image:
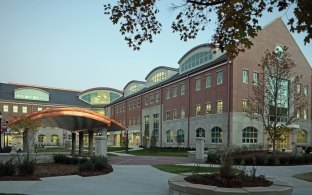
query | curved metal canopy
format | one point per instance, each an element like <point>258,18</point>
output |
<point>73,119</point>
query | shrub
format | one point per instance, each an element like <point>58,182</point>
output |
<point>249,161</point>
<point>237,160</point>
<point>99,162</point>
<point>271,160</point>
<point>308,149</point>
<point>213,157</point>
<point>59,158</point>
<point>7,168</point>
<point>299,160</point>
<point>260,160</point>
<point>292,160</point>
<point>283,160</point>
<point>6,149</point>
<point>87,166</point>
<point>26,166</point>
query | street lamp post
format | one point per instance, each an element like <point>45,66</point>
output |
<point>0,129</point>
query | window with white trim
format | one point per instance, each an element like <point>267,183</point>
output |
<point>245,76</point>
<point>208,81</point>
<point>216,135</point>
<point>250,135</point>
<point>219,77</point>
<point>197,84</point>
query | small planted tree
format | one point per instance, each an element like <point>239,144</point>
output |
<point>277,98</point>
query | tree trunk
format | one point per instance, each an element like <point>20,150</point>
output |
<point>274,145</point>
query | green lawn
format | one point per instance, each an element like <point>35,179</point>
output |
<point>146,152</point>
<point>304,176</point>
<point>177,169</point>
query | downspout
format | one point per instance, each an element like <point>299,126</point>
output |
<point>229,103</point>
<point>188,113</point>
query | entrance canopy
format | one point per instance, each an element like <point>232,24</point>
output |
<point>73,119</point>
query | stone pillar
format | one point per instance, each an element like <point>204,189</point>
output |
<point>200,149</point>
<point>90,148</point>
<point>28,141</point>
<point>73,152</point>
<point>101,143</point>
<point>80,143</point>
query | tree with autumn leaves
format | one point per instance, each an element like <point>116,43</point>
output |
<point>237,21</point>
<point>278,99</point>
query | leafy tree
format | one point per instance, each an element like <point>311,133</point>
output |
<point>277,100</point>
<point>237,20</point>
<point>125,141</point>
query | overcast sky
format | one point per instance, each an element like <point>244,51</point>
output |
<point>71,44</point>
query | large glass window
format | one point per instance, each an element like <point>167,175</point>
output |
<point>156,126</point>
<point>55,139</point>
<point>24,109</point>
<point>244,105</point>
<point>42,138</point>
<point>197,110</point>
<point>216,135</point>
<point>245,76</point>
<point>182,113</point>
<point>168,115</point>
<point>219,77</point>
<point>219,106</point>
<point>170,136</point>
<point>302,136</point>
<point>197,84</point>
<point>15,108</point>
<point>208,108</point>
<point>100,97</point>
<point>180,136</point>
<point>156,78</point>
<point>200,132</point>
<point>5,108</point>
<point>174,114</point>
<point>146,125</point>
<point>196,60</point>
<point>208,81</point>
<point>31,94</point>
<point>250,135</point>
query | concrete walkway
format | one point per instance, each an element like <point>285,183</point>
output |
<point>135,180</point>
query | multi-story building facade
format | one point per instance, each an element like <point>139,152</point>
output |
<point>205,97</point>
<point>19,99</point>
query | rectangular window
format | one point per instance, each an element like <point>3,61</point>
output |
<point>130,122</point>
<point>298,114</point>
<point>151,99</point>
<point>208,81</point>
<point>245,76</point>
<point>298,88</point>
<point>168,115</point>
<point>24,109</point>
<point>244,105</point>
<point>146,125</point>
<point>5,108</point>
<point>219,77</point>
<point>255,78</point>
<point>156,126</point>
<point>175,91</point>
<point>305,114</point>
<point>133,121</point>
<point>197,110</point>
<point>219,106</point>
<point>305,90</point>
<point>197,84</point>
<point>182,89</point>
<point>174,114</point>
<point>167,93</point>
<point>182,113</point>
<point>156,97</point>
<point>15,108</point>
<point>146,100</point>
<point>208,108</point>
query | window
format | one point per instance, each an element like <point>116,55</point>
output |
<point>146,100</point>
<point>208,108</point>
<point>15,109</point>
<point>5,108</point>
<point>180,136</point>
<point>151,99</point>
<point>302,136</point>
<point>245,76</point>
<point>31,94</point>
<point>167,93</point>
<point>219,107</point>
<point>298,88</point>
<point>24,109</point>
<point>168,115</point>
<point>156,97</point>
<point>133,121</point>
<point>250,135</point>
<point>175,91</point>
<point>200,132</point>
<point>146,125</point>
<point>197,110</point>
<point>244,105</point>
<point>42,138</point>
<point>305,114</point>
<point>208,81</point>
<point>170,137</point>
<point>130,122</point>
<point>305,90</point>
<point>219,77</point>
<point>156,126</point>
<point>174,114</point>
<point>55,139</point>
<point>182,89</point>
<point>197,84</point>
<point>255,78</point>
<point>216,135</point>
<point>182,113</point>
<point>298,114</point>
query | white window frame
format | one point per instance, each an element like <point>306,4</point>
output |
<point>197,84</point>
<point>245,76</point>
<point>208,81</point>
<point>220,75</point>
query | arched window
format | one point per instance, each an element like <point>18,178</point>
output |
<point>180,136</point>
<point>200,132</point>
<point>302,136</point>
<point>42,138</point>
<point>216,135</point>
<point>169,136</point>
<point>250,135</point>
<point>54,138</point>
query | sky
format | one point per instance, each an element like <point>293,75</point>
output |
<point>71,44</point>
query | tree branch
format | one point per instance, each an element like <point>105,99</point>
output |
<point>206,3</point>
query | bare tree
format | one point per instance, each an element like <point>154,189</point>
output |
<point>277,98</point>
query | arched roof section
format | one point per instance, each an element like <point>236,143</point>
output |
<point>133,87</point>
<point>73,119</point>
<point>31,93</point>
<point>198,56</point>
<point>100,95</point>
<point>159,74</point>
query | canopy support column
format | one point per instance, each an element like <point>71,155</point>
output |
<point>101,143</point>
<point>80,143</point>
<point>73,152</point>
<point>90,148</point>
